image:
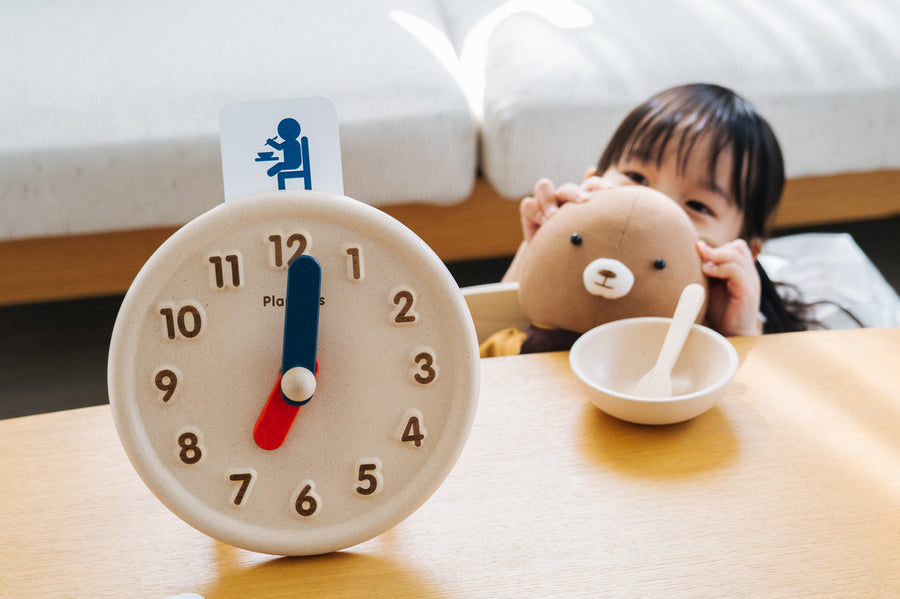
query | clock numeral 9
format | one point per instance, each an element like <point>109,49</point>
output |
<point>219,280</point>
<point>166,380</point>
<point>300,240</point>
<point>187,321</point>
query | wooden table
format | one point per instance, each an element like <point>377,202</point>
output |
<point>790,487</point>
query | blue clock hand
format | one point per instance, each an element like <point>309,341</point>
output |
<point>296,383</point>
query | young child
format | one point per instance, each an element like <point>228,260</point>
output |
<point>708,149</point>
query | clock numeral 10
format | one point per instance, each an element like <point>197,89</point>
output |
<point>186,321</point>
<point>219,278</point>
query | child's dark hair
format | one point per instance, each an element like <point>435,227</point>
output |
<point>687,113</point>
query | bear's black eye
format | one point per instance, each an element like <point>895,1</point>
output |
<point>659,264</point>
<point>575,238</point>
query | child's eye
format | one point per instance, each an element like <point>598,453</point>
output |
<point>699,207</point>
<point>637,177</point>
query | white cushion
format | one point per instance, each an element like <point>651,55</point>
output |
<point>109,111</point>
<point>557,78</point>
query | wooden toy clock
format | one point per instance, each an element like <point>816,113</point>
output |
<point>293,373</point>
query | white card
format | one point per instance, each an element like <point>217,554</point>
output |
<point>286,144</point>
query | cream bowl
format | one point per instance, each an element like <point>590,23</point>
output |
<point>610,359</point>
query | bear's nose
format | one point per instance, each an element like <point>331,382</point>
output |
<point>608,278</point>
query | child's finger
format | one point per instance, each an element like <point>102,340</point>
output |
<point>570,192</point>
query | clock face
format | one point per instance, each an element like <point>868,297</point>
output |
<point>197,350</point>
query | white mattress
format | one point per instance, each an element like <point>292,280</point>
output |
<point>555,79</point>
<point>109,111</point>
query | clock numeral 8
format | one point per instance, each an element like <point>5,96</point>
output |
<point>189,443</point>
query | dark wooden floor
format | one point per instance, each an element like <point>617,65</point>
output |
<point>53,356</point>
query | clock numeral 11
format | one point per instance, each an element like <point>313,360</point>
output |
<point>220,279</point>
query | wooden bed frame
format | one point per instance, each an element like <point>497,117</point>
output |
<point>486,225</point>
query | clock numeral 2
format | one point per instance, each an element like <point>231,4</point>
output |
<point>220,280</point>
<point>404,299</point>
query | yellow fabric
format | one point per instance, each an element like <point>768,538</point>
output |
<point>507,342</point>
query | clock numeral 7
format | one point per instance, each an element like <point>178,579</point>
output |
<point>246,479</point>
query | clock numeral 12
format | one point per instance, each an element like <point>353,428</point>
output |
<point>301,240</point>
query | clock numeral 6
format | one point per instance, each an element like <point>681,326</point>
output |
<point>370,476</point>
<point>185,321</point>
<point>308,501</point>
<point>299,242</point>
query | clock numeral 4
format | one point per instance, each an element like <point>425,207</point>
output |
<point>226,271</point>
<point>183,321</point>
<point>298,243</point>
<point>412,429</point>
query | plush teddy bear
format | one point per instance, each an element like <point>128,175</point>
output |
<point>625,252</point>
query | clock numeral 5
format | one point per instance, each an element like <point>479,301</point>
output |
<point>185,321</point>
<point>370,476</point>
<point>221,280</point>
<point>299,242</point>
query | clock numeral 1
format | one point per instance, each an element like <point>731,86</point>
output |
<point>186,321</point>
<point>412,429</point>
<point>245,478</point>
<point>370,477</point>
<point>356,269</point>
<point>307,502</point>
<point>299,242</point>
<point>230,263</point>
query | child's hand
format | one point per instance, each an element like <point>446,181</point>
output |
<point>544,202</point>
<point>734,288</point>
